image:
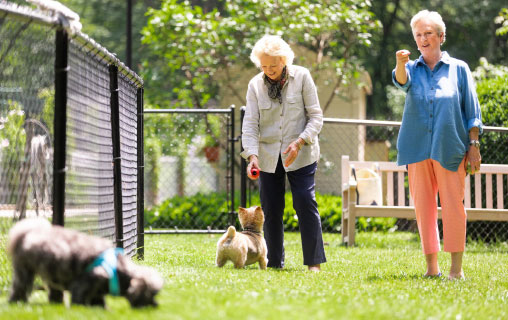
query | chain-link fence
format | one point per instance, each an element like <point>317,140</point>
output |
<point>189,156</point>
<point>69,114</point>
<point>27,58</point>
<point>179,181</point>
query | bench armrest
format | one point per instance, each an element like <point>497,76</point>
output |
<point>350,185</point>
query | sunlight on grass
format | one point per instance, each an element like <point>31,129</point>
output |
<point>5,268</point>
<point>381,278</point>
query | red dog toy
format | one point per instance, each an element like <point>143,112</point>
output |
<point>254,172</point>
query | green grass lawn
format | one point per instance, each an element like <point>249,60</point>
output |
<point>379,279</point>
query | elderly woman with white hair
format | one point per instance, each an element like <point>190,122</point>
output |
<point>438,137</point>
<point>280,137</point>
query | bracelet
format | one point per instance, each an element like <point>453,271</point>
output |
<point>475,143</point>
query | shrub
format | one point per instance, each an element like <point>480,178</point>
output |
<point>492,90</point>
<point>12,148</point>
<point>199,211</point>
<point>202,211</point>
<point>493,98</point>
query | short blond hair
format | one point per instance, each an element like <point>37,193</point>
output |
<point>273,46</point>
<point>433,16</point>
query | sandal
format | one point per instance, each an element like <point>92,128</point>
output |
<point>433,276</point>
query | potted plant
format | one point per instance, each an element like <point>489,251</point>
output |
<point>211,149</point>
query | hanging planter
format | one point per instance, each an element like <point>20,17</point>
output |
<point>211,153</point>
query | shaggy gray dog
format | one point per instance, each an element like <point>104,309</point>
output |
<point>63,259</point>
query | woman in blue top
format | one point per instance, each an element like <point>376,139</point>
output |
<point>438,137</point>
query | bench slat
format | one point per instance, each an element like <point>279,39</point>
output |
<point>494,168</point>
<point>486,215</point>
<point>488,193</point>
<point>389,188</point>
<point>473,214</point>
<point>467,192</point>
<point>401,194</point>
<point>478,190</point>
<point>500,193</point>
<point>385,212</point>
<point>390,166</point>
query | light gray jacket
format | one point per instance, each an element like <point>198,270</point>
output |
<point>269,126</point>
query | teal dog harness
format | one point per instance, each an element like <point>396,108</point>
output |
<point>108,260</point>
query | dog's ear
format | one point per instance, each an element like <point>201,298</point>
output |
<point>136,292</point>
<point>258,209</point>
<point>140,294</point>
<point>143,287</point>
<point>240,209</point>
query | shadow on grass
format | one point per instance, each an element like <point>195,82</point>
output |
<point>255,268</point>
<point>404,277</point>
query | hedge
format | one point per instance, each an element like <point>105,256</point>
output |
<point>203,211</point>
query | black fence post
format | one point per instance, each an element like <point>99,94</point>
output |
<point>60,125</point>
<point>117,159</point>
<point>141,180</point>
<point>243,166</point>
<point>129,35</point>
<point>232,165</point>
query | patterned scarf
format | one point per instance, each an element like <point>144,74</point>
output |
<point>275,86</point>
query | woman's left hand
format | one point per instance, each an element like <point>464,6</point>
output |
<point>292,151</point>
<point>474,158</point>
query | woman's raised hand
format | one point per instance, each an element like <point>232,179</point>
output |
<point>402,56</point>
<point>400,68</point>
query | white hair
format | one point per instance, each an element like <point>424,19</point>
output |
<point>434,17</point>
<point>273,46</point>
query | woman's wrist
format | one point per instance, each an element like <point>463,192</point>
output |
<point>300,143</point>
<point>474,143</point>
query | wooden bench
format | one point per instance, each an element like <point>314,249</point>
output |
<point>401,208</point>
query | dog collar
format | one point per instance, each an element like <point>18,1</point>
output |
<point>108,260</point>
<point>251,230</point>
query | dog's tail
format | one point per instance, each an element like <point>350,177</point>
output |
<point>231,232</point>
<point>20,229</point>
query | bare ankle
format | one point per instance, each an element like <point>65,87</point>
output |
<point>314,267</point>
<point>456,275</point>
<point>432,271</point>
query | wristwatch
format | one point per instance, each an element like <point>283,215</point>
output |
<point>475,143</point>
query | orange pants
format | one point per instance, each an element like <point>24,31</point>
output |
<point>426,178</point>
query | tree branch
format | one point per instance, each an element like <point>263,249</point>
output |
<point>232,88</point>
<point>339,80</point>
<point>323,40</point>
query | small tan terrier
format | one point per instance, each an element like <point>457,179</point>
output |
<point>246,247</point>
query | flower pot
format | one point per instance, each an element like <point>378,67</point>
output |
<point>211,153</point>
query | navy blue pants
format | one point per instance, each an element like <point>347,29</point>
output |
<point>272,189</point>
